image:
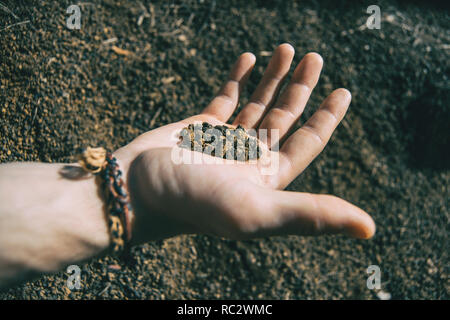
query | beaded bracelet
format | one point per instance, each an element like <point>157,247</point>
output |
<point>120,214</point>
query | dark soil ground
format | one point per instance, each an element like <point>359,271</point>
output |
<point>65,89</point>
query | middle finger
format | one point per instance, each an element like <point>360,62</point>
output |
<point>267,90</point>
<point>290,105</point>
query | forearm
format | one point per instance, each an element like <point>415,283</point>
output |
<point>46,220</point>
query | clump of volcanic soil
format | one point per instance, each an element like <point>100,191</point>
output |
<point>220,141</point>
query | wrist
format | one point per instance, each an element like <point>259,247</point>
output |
<point>125,159</point>
<point>150,223</point>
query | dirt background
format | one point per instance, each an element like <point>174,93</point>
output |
<point>64,89</point>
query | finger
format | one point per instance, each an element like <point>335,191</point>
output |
<point>274,213</point>
<point>290,105</point>
<point>308,141</point>
<point>223,105</point>
<point>267,89</point>
<point>295,213</point>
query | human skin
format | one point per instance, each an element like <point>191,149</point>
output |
<point>48,222</point>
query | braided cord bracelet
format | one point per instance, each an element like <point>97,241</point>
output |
<point>120,214</point>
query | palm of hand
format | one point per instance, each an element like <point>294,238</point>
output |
<point>236,200</point>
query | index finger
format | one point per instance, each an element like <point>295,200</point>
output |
<point>223,105</point>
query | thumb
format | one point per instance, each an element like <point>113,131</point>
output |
<point>313,214</point>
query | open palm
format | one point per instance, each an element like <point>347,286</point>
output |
<point>236,200</point>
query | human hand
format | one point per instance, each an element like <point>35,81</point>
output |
<point>235,200</point>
